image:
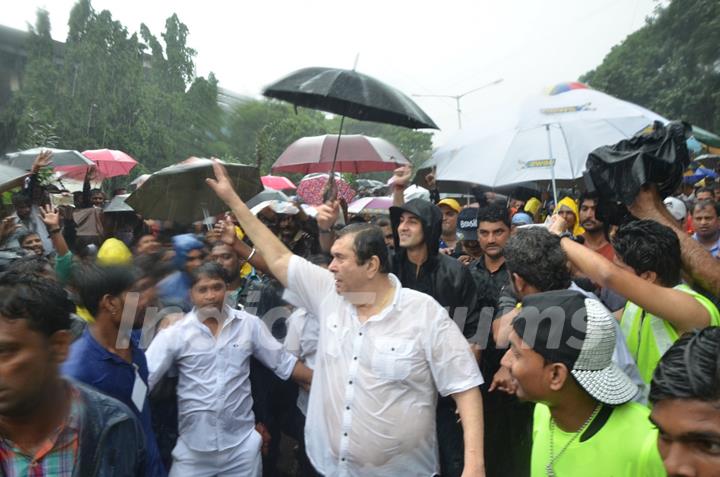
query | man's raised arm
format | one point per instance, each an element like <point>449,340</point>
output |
<point>276,254</point>
<point>697,262</point>
<point>681,309</point>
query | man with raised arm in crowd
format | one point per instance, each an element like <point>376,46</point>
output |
<point>384,353</point>
<point>660,307</point>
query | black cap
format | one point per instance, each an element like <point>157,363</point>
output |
<point>467,224</point>
<point>554,325</point>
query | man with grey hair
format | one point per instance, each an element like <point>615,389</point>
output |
<point>384,353</point>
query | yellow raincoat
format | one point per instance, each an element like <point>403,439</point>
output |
<point>572,205</point>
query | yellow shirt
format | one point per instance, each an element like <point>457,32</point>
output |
<point>625,446</point>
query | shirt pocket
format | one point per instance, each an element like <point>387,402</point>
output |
<point>236,354</point>
<point>392,358</point>
<point>334,336</point>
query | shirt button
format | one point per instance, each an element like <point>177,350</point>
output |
<point>347,407</point>
<point>343,459</point>
<point>360,333</point>
<point>355,358</point>
<point>350,382</point>
<point>345,434</point>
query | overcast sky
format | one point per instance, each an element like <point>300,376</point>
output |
<point>420,47</point>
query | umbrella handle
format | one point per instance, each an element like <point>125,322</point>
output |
<point>330,191</point>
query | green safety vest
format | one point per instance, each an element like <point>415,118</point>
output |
<point>625,446</point>
<point>649,337</point>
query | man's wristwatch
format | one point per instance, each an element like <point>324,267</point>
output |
<point>567,235</point>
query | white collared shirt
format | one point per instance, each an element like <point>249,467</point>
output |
<point>301,340</point>
<point>375,384</point>
<point>214,400</point>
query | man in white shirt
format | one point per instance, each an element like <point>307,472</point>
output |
<point>211,348</point>
<point>384,353</point>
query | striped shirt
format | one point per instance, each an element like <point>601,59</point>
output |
<point>57,454</point>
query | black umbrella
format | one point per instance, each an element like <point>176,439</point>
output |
<point>180,193</point>
<point>267,194</point>
<point>352,94</point>
<point>349,93</point>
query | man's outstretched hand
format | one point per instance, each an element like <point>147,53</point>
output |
<point>42,160</point>
<point>402,176</point>
<point>648,204</point>
<point>221,185</point>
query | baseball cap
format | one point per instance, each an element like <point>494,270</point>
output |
<point>565,327</point>
<point>452,203</point>
<point>467,224</point>
<point>676,207</point>
<point>521,218</point>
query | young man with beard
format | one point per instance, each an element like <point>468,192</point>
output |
<point>560,357</point>
<point>106,356</point>
<point>685,393</point>
<point>225,256</point>
<point>211,347</point>
<point>595,235</point>
<point>707,226</point>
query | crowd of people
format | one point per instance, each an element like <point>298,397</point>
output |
<point>455,337</point>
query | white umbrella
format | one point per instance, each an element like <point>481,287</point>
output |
<point>549,139</point>
<point>11,177</point>
<point>60,157</point>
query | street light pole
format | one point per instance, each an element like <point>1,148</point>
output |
<point>458,97</point>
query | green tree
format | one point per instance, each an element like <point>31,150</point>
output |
<point>671,65</point>
<point>259,131</point>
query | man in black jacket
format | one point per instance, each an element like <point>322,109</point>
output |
<point>418,264</point>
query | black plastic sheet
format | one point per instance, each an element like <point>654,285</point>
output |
<point>618,172</point>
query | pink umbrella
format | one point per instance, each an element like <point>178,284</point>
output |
<point>108,162</point>
<point>277,182</point>
<point>375,205</point>
<point>356,154</point>
<point>312,186</point>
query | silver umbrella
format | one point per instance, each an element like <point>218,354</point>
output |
<point>11,177</point>
<point>179,192</point>
<point>60,157</point>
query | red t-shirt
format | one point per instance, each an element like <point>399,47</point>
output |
<point>606,251</point>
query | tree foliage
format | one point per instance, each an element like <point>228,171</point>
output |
<point>671,65</point>
<point>138,92</point>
